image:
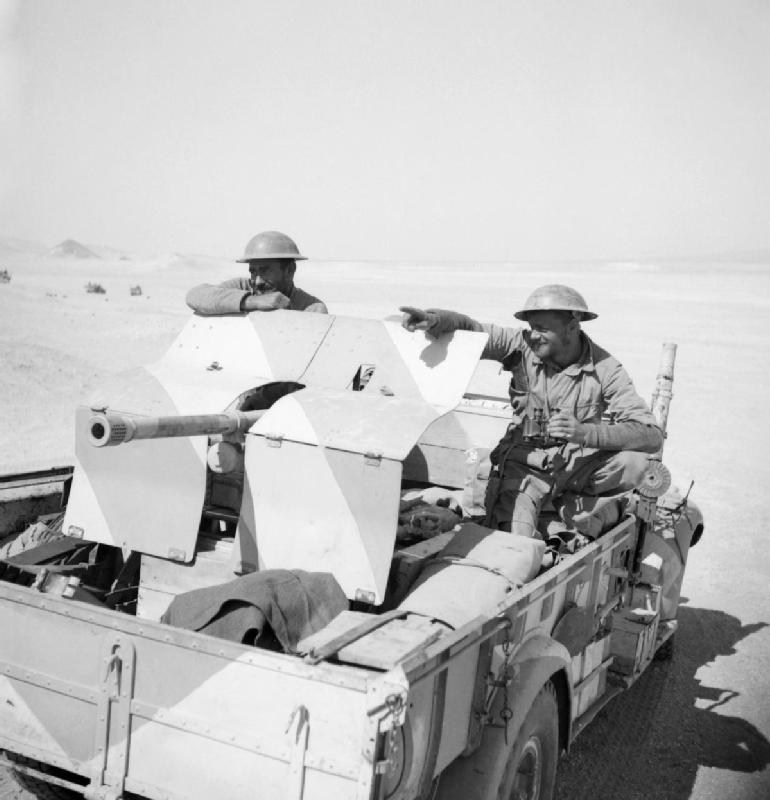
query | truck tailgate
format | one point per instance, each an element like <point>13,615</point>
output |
<point>165,713</point>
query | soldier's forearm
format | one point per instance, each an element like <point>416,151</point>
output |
<point>269,301</point>
<point>210,300</point>
<point>631,435</point>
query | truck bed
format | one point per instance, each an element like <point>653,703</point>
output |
<point>174,713</point>
<point>128,704</point>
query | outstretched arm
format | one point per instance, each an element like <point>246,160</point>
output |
<point>437,321</point>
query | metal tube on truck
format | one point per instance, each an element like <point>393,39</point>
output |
<point>107,429</point>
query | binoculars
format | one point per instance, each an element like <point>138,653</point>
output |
<point>535,429</point>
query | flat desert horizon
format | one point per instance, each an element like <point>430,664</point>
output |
<point>697,727</point>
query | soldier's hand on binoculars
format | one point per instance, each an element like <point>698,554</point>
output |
<point>564,425</point>
<point>416,319</point>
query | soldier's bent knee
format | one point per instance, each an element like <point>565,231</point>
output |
<point>634,465</point>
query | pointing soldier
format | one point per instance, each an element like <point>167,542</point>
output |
<point>272,258</point>
<point>563,387</point>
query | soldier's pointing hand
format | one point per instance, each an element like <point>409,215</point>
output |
<point>417,319</point>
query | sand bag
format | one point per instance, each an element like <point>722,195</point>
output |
<point>473,573</point>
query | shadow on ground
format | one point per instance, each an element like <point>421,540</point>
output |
<point>650,741</point>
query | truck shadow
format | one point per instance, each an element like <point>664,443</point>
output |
<point>650,741</point>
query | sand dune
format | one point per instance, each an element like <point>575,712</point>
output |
<point>69,248</point>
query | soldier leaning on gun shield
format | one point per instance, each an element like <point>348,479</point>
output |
<point>272,258</point>
<point>560,445</point>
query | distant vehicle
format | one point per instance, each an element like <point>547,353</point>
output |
<point>136,291</point>
<point>448,674</point>
<point>5,276</point>
<point>95,288</point>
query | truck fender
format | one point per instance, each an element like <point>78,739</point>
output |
<point>536,661</point>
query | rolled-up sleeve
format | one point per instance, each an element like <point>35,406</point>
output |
<point>634,426</point>
<point>223,298</point>
<point>502,341</point>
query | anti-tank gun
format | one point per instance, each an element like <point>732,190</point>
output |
<point>319,453</point>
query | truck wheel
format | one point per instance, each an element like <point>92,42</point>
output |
<point>37,787</point>
<point>666,651</point>
<point>530,773</point>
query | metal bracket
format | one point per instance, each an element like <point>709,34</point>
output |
<point>396,710</point>
<point>176,554</point>
<point>617,572</point>
<point>299,721</point>
<point>479,714</point>
<point>113,720</point>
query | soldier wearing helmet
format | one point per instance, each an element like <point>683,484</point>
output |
<point>272,258</point>
<point>580,431</point>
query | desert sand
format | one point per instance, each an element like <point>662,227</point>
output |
<point>694,728</point>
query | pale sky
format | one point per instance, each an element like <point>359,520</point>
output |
<point>398,129</point>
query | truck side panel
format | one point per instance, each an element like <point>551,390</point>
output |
<point>530,647</point>
<point>104,696</point>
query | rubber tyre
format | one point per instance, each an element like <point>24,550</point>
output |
<point>39,788</point>
<point>666,651</point>
<point>696,535</point>
<point>530,773</point>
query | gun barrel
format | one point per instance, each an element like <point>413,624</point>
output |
<point>107,429</point>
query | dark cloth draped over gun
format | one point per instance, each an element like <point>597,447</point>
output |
<point>291,604</point>
<point>579,477</point>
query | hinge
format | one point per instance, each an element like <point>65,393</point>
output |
<point>365,596</point>
<point>274,439</point>
<point>373,459</point>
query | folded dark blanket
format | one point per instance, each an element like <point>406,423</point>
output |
<point>293,603</point>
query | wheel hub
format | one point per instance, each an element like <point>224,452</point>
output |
<point>528,777</point>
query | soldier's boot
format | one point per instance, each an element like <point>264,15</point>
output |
<point>589,515</point>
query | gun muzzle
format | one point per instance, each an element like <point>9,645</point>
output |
<point>106,429</point>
